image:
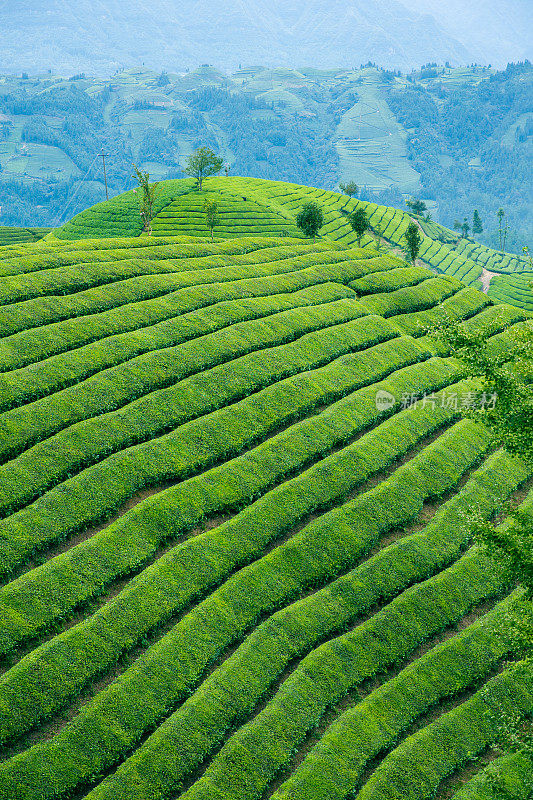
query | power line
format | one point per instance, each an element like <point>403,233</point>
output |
<point>103,155</point>
<point>80,184</point>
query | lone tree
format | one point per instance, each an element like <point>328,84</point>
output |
<point>463,227</point>
<point>477,225</point>
<point>211,215</point>
<point>310,219</point>
<point>203,163</point>
<point>378,235</point>
<point>416,206</point>
<point>413,241</point>
<point>148,194</point>
<point>350,188</point>
<point>503,230</point>
<point>359,222</point>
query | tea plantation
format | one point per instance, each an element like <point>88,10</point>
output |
<point>250,206</point>
<point>234,559</point>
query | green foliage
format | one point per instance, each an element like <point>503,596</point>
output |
<point>211,215</point>
<point>359,222</point>
<point>234,482</point>
<point>202,163</point>
<point>147,198</point>
<point>413,241</point>
<point>417,206</point>
<point>350,188</point>
<point>310,219</point>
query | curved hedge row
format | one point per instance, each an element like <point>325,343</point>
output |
<point>230,693</point>
<point>156,675</point>
<point>235,485</point>
<point>42,311</point>
<point>510,777</point>
<point>100,489</point>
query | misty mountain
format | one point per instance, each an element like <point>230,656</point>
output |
<point>495,31</point>
<point>99,36</point>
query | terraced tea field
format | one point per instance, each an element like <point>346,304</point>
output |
<point>516,289</point>
<point>234,560</point>
<point>250,206</point>
<point>21,235</point>
<point>371,143</point>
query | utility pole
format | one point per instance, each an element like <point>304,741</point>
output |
<point>105,175</point>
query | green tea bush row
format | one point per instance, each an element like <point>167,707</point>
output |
<point>514,289</point>
<point>10,235</point>
<point>156,412</point>
<point>25,347</point>
<point>398,499</point>
<point>416,298</point>
<point>228,695</point>
<point>259,749</point>
<point>110,250</point>
<point>416,768</point>
<point>509,777</point>
<point>131,539</point>
<point>43,311</point>
<point>30,617</point>
<point>390,280</point>
<point>300,461</point>
<point>120,215</point>
<point>154,369</point>
<point>65,280</point>
<point>62,370</point>
<point>463,304</point>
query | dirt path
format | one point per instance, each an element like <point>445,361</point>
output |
<point>486,277</point>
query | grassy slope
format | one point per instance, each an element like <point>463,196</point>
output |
<point>247,576</point>
<point>254,206</point>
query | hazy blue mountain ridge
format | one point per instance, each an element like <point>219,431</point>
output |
<point>99,36</point>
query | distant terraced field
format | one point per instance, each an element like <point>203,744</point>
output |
<point>10,236</point>
<point>234,557</point>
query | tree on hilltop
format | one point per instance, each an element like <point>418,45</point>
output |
<point>417,206</point>
<point>148,194</point>
<point>413,241</point>
<point>350,188</point>
<point>360,223</point>
<point>310,219</point>
<point>203,163</point>
<point>211,215</point>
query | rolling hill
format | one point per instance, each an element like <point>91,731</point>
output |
<point>394,135</point>
<point>259,207</point>
<point>234,563</point>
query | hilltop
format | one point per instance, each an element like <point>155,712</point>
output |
<point>250,206</point>
<point>233,483</point>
